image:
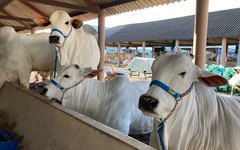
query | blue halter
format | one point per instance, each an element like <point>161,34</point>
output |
<point>166,88</point>
<point>57,85</point>
<point>177,96</point>
<point>59,31</point>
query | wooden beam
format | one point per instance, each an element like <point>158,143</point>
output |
<point>101,42</point>
<point>115,3</point>
<point>15,18</point>
<point>15,27</point>
<point>4,3</point>
<point>9,15</point>
<point>76,13</point>
<point>65,5</point>
<point>90,3</point>
<point>33,8</point>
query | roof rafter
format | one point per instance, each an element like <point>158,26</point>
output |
<point>15,18</point>
<point>90,3</point>
<point>9,15</point>
<point>66,5</point>
<point>15,27</point>
<point>115,3</point>
<point>76,13</point>
<point>4,3</point>
<point>33,8</point>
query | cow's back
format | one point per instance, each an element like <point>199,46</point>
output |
<point>30,51</point>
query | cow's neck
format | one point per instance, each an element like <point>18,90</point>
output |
<point>73,49</point>
<point>87,96</point>
<point>189,118</point>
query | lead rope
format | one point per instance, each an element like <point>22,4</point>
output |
<point>58,48</point>
<point>64,89</point>
<point>55,63</point>
<point>161,125</point>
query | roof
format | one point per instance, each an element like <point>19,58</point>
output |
<point>19,13</point>
<point>220,24</point>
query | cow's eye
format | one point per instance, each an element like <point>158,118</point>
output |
<point>67,22</point>
<point>66,76</point>
<point>182,74</point>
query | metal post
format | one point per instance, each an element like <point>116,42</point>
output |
<point>177,45</point>
<point>118,54</point>
<point>238,58</point>
<point>200,33</point>
<point>223,58</point>
<point>143,49</point>
<point>101,42</point>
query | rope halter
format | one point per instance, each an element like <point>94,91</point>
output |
<point>64,89</point>
<point>177,96</point>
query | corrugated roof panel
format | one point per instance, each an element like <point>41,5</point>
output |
<point>221,24</point>
<point>18,9</point>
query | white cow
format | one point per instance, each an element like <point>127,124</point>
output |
<point>75,45</point>
<point>113,102</point>
<point>201,119</point>
<point>22,53</point>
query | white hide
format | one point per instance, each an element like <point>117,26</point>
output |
<point>22,53</point>
<point>79,48</point>
<point>202,120</point>
<point>113,103</point>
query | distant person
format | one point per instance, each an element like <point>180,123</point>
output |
<point>219,53</point>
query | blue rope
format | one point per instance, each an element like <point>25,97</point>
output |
<point>166,88</point>
<point>59,31</point>
<point>160,134</point>
<point>57,85</point>
<point>55,63</point>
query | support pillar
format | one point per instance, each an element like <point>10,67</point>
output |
<point>177,45</point>
<point>118,54</point>
<point>143,48</point>
<point>101,42</point>
<point>33,30</point>
<point>238,58</point>
<point>200,33</point>
<point>223,58</point>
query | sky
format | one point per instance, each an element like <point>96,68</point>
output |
<point>177,9</point>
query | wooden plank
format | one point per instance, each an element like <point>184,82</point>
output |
<point>15,18</point>
<point>115,3</point>
<point>66,5</point>
<point>15,27</point>
<point>9,15</point>
<point>4,3</point>
<point>34,8</point>
<point>90,3</point>
<point>76,13</point>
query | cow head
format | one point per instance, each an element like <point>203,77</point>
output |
<point>61,24</point>
<point>68,78</point>
<point>177,71</point>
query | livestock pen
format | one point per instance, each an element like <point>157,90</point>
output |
<point>41,124</point>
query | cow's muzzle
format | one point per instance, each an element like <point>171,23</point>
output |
<point>43,91</point>
<point>147,103</point>
<point>54,39</point>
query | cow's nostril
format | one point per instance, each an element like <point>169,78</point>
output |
<point>44,90</point>
<point>76,66</point>
<point>147,103</point>
<point>54,39</point>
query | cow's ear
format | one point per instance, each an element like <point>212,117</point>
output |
<point>91,74</point>
<point>76,23</point>
<point>42,21</point>
<point>210,79</point>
